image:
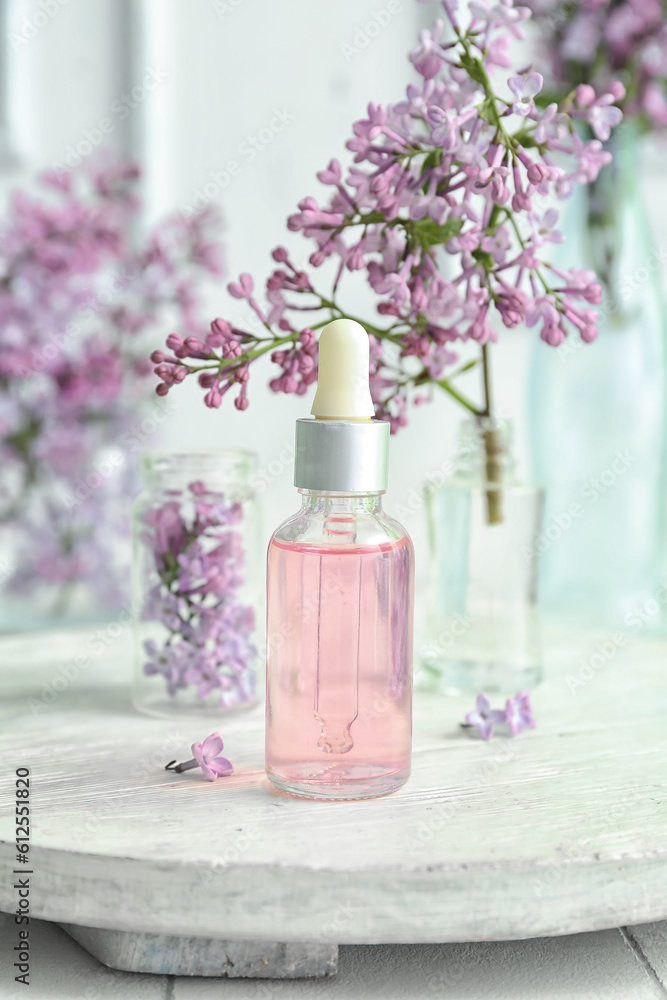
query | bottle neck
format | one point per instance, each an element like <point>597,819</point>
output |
<point>321,502</point>
<point>227,472</point>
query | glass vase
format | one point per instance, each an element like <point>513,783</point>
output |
<point>598,417</point>
<point>482,626</point>
<point>196,577</point>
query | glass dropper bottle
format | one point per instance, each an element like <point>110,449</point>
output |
<point>340,599</point>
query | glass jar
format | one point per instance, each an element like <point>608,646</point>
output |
<point>339,649</point>
<point>482,631</point>
<point>597,417</point>
<point>196,584</point>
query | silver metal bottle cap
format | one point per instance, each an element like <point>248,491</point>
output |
<point>342,456</point>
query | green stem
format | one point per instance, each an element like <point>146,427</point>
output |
<point>486,378</point>
<point>459,396</point>
<point>250,356</point>
<point>522,244</point>
<point>483,77</point>
<point>493,447</point>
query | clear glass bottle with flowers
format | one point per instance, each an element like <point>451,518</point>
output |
<point>197,584</point>
<point>598,421</point>
<point>483,631</point>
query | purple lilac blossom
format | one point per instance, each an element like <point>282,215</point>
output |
<point>608,45</point>
<point>519,713</point>
<point>197,559</point>
<point>486,717</point>
<point>78,292</point>
<point>439,213</point>
<point>206,755</point>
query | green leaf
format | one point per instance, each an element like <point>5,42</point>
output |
<point>484,258</point>
<point>433,159</point>
<point>428,233</point>
<point>494,219</point>
<point>371,217</point>
<point>473,68</point>
<point>464,368</point>
<point>547,97</point>
<point>525,139</point>
<point>21,440</point>
<point>489,111</point>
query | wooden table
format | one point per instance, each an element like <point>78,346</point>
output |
<point>560,830</point>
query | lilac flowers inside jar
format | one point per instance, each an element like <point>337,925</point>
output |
<point>196,593</point>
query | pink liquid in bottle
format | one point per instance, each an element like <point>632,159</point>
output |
<point>339,659</point>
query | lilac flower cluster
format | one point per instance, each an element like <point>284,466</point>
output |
<point>78,291</point>
<point>597,42</point>
<point>517,715</point>
<point>443,212</point>
<point>197,560</point>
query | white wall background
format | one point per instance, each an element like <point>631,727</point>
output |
<point>228,65</point>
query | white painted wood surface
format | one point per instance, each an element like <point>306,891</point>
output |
<point>560,830</point>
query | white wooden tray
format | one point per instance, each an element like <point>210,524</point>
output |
<point>560,830</point>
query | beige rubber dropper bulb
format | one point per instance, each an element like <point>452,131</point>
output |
<point>343,392</point>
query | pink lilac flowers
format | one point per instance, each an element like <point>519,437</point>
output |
<point>206,756</point>
<point>80,289</point>
<point>517,715</point>
<point>197,561</point>
<point>443,212</point>
<point>485,717</point>
<point>608,45</point>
